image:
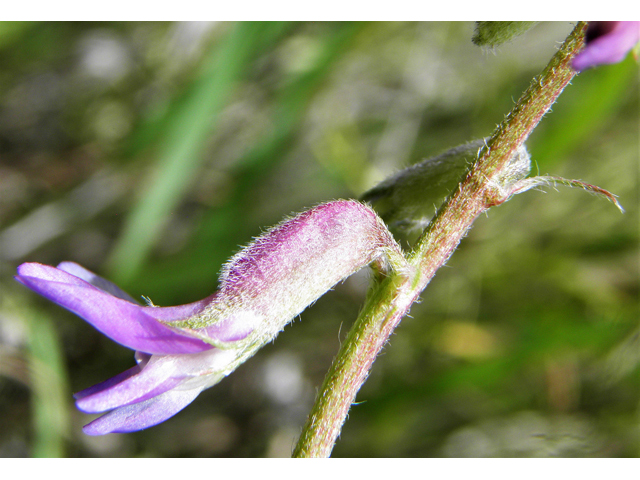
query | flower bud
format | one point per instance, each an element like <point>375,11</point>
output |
<point>280,273</point>
<point>493,34</point>
<point>409,199</point>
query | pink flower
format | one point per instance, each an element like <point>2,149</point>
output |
<point>607,42</point>
<point>183,350</point>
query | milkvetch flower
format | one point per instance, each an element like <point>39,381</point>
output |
<point>183,350</point>
<point>607,42</point>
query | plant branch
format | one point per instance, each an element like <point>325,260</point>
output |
<point>487,184</point>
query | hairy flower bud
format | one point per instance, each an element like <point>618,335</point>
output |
<point>273,279</point>
<point>493,34</point>
<point>409,199</point>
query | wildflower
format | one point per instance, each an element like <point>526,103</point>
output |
<point>183,350</point>
<point>607,42</point>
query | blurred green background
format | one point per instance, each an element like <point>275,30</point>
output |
<point>149,152</point>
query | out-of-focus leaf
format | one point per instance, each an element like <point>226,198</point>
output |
<point>492,34</point>
<point>221,232</point>
<point>11,31</point>
<point>180,155</point>
<point>582,109</point>
<point>50,391</point>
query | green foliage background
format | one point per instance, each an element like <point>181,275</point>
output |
<point>149,152</point>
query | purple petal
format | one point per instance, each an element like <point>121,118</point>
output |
<point>607,42</point>
<point>107,384</point>
<point>144,414</point>
<point>95,280</point>
<point>234,327</point>
<point>179,312</point>
<point>155,379</point>
<point>161,373</point>
<point>129,324</point>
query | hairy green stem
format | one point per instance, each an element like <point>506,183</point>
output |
<point>390,299</point>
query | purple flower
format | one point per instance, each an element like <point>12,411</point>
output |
<point>607,42</point>
<point>182,350</point>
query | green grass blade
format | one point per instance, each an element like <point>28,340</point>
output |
<point>180,155</point>
<point>50,391</point>
<point>221,233</point>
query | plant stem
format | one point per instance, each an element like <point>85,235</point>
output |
<point>390,299</point>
